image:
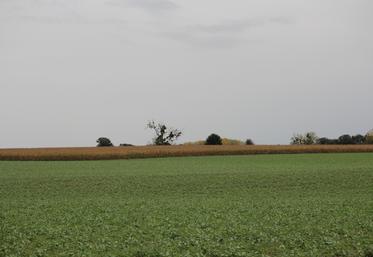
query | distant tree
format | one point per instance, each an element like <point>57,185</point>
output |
<point>103,142</point>
<point>323,141</point>
<point>345,140</point>
<point>358,139</point>
<point>369,139</point>
<point>249,142</point>
<point>213,139</point>
<point>163,134</point>
<point>327,141</point>
<point>297,139</point>
<point>308,138</point>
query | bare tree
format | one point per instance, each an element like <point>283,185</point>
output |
<point>163,134</point>
<point>308,138</point>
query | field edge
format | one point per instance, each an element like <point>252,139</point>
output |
<point>141,152</point>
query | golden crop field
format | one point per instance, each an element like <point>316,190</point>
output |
<point>111,153</point>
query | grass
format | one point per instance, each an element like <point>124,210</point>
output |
<point>315,205</point>
<point>135,152</point>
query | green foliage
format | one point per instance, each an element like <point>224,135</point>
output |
<point>213,139</point>
<point>163,134</point>
<point>103,142</point>
<point>317,205</point>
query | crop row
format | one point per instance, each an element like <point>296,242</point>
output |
<point>111,153</point>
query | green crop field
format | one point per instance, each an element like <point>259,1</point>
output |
<point>263,205</point>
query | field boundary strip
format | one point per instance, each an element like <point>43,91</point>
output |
<point>137,152</point>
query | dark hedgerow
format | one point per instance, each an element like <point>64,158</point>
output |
<point>125,144</point>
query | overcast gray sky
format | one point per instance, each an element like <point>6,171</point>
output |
<point>74,70</point>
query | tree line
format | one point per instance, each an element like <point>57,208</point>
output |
<point>310,138</point>
<point>165,135</point>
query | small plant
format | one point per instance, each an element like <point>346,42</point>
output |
<point>249,142</point>
<point>368,252</point>
<point>104,142</point>
<point>213,139</point>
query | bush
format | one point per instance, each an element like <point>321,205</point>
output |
<point>249,142</point>
<point>103,142</point>
<point>213,139</point>
<point>125,145</point>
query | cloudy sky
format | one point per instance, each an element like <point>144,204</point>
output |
<point>75,70</point>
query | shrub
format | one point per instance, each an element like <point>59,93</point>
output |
<point>249,142</point>
<point>103,142</point>
<point>213,139</point>
<point>125,145</point>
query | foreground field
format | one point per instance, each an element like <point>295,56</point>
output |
<point>113,153</point>
<point>262,205</point>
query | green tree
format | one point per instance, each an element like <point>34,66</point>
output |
<point>249,142</point>
<point>213,139</point>
<point>103,142</point>
<point>345,140</point>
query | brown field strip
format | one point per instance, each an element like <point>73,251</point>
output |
<point>112,153</point>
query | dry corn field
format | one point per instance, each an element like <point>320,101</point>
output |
<point>111,153</point>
